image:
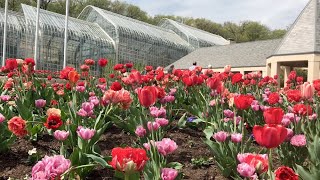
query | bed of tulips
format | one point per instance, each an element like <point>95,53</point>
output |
<point>254,129</point>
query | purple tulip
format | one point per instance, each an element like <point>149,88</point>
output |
<point>141,131</point>
<point>40,103</point>
<point>220,136</point>
<point>168,174</point>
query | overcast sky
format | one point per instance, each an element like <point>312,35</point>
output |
<point>273,13</point>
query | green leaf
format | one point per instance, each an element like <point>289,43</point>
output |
<point>182,121</point>
<point>175,165</point>
<point>208,132</point>
<point>99,160</point>
<point>304,174</point>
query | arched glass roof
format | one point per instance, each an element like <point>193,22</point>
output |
<point>139,28</point>
<point>138,41</point>
<point>85,40</point>
<point>16,34</point>
<point>76,26</point>
<point>196,37</point>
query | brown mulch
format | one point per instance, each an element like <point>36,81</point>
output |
<point>14,164</point>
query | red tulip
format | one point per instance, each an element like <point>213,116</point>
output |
<point>243,102</point>
<point>236,78</point>
<point>294,95</point>
<point>147,95</point>
<point>302,109</point>
<point>269,135</point>
<point>116,86</point>
<point>273,98</point>
<point>11,64</point>
<point>128,160</point>
<point>53,122</point>
<point>89,62</point>
<point>273,115</point>
<point>102,62</point>
<point>73,77</point>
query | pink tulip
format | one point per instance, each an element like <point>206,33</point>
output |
<point>40,103</point>
<point>5,98</point>
<point>307,90</point>
<point>153,126</point>
<point>2,118</point>
<point>80,88</point>
<point>289,134</point>
<point>94,100</point>
<point>298,140</point>
<point>162,121</point>
<point>227,68</point>
<point>220,136</point>
<point>61,135</point>
<point>172,91</point>
<point>166,146</point>
<point>168,174</point>
<point>85,133</point>
<point>236,138</point>
<point>50,167</point>
<point>158,113</point>
<point>141,131</point>
<point>87,106</point>
<point>245,170</point>
<point>228,113</point>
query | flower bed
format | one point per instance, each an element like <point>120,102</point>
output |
<point>131,124</point>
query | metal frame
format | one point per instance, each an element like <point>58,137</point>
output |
<point>196,37</point>
<point>137,41</point>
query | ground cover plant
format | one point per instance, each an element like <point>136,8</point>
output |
<point>132,124</point>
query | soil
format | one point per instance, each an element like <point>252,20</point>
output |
<point>14,163</point>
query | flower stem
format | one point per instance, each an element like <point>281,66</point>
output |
<point>270,164</point>
<point>126,177</point>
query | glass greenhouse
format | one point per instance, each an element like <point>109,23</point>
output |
<point>196,37</point>
<point>137,41</point>
<point>85,40</point>
<point>17,33</point>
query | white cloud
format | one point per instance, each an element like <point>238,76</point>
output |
<point>274,13</point>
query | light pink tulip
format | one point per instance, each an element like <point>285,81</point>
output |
<point>61,135</point>
<point>85,133</point>
<point>307,90</point>
<point>245,170</point>
<point>166,146</point>
<point>50,167</point>
<point>227,68</point>
<point>220,136</point>
<point>236,138</point>
<point>157,113</point>
<point>162,121</point>
<point>298,140</point>
<point>153,126</point>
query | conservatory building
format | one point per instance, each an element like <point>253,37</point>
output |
<point>195,37</point>
<point>85,39</point>
<point>137,41</point>
<point>96,34</point>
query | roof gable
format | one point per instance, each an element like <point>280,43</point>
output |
<point>303,36</point>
